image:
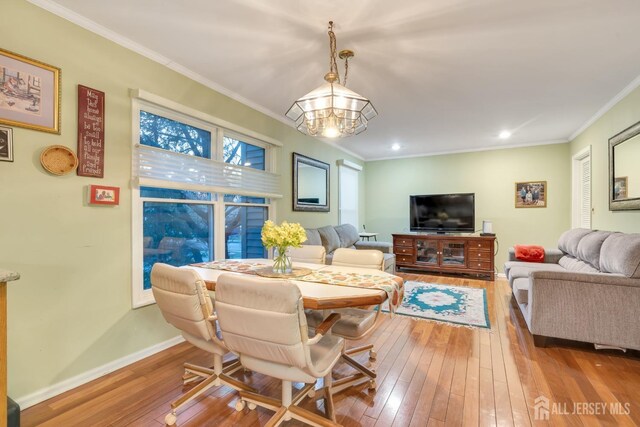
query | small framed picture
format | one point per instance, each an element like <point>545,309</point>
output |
<point>6,144</point>
<point>29,93</point>
<point>101,195</point>
<point>531,194</point>
<point>620,187</point>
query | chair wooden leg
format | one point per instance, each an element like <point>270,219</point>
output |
<point>194,392</point>
<point>277,418</point>
<point>358,366</point>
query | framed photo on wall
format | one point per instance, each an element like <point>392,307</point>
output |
<point>6,144</point>
<point>29,93</point>
<point>531,194</point>
<point>101,195</point>
<point>620,187</point>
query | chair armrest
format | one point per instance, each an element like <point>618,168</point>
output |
<point>597,278</point>
<point>384,247</point>
<point>327,323</point>
<point>551,256</point>
<point>324,327</point>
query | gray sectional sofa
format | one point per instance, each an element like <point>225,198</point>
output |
<point>586,290</point>
<point>346,236</point>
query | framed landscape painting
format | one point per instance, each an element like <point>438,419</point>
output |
<point>29,93</point>
<point>531,194</point>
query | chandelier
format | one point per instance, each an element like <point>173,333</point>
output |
<point>332,110</point>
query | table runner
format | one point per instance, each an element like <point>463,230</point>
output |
<point>392,285</point>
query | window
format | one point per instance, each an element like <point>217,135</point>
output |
<point>348,194</point>
<point>201,192</point>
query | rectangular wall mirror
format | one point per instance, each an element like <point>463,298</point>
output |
<point>310,184</point>
<point>624,172</point>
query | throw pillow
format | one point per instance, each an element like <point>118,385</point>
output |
<point>529,253</point>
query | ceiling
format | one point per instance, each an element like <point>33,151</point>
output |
<point>445,76</point>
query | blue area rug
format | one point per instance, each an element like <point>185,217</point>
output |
<point>444,303</point>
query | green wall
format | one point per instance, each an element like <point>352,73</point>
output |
<point>491,175</point>
<point>71,310</point>
<point>624,114</point>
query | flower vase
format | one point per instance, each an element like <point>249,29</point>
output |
<point>282,262</point>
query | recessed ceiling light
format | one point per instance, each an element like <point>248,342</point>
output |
<point>395,147</point>
<point>505,134</point>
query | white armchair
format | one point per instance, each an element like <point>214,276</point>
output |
<point>354,323</point>
<point>263,321</point>
<point>185,303</point>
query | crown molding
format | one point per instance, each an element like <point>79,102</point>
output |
<point>127,43</point>
<point>635,83</point>
<point>472,150</point>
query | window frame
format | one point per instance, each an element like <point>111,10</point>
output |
<point>142,101</point>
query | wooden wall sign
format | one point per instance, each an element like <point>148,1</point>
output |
<point>90,132</point>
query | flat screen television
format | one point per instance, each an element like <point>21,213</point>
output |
<point>443,213</point>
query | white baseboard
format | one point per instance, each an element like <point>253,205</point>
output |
<point>73,382</point>
<point>502,275</point>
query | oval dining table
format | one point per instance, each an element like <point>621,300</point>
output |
<point>316,296</point>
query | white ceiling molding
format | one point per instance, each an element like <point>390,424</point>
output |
<point>444,153</point>
<point>606,107</point>
<point>102,31</point>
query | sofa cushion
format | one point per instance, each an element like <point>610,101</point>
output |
<point>620,254</point>
<point>348,235</point>
<point>568,242</point>
<point>313,237</point>
<point>521,271</point>
<point>330,238</point>
<point>589,247</point>
<point>521,290</point>
<point>574,264</point>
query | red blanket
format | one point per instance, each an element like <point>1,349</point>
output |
<point>530,253</point>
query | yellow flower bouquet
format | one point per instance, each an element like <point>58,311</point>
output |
<point>282,237</point>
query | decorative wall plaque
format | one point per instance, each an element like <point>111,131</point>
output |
<point>90,132</point>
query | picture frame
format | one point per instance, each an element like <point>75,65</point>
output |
<point>6,144</point>
<point>310,184</point>
<point>29,93</point>
<point>620,185</point>
<point>531,194</point>
<point>103,195</point>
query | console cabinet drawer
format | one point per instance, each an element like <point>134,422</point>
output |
<point>402,250</point>
<point>479,245</point>
<point>399,241</point>
<point>479,255</point>
<point>479,265</point>
<point>404,259</point>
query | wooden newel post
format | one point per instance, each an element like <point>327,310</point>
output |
<point>5,277</point>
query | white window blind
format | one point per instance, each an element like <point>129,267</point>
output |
<point>581,193</point>
<point>154,167</point>
<point>585,190</point>
<point>348,192</point>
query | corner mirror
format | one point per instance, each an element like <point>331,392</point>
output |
<point>624,173</point>
<point>310,184</point>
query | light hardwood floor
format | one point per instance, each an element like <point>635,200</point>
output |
<point>429,374</point>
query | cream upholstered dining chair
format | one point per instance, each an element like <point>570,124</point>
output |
<point>263,321</point>
<point>185,303</point>
<point>314,254</point>
<point>354,323</point>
